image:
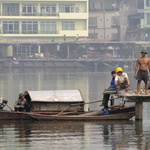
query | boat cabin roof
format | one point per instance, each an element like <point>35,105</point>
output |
<point>56,96</point>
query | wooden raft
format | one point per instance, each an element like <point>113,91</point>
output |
<point>131,96</point>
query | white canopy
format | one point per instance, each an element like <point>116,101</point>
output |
<point>56,96</point>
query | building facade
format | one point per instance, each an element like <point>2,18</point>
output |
<point>104,21</point>
<point>29,27</point>
<point>145,21</point>
<point>139,23</point>
<point>108,19</point>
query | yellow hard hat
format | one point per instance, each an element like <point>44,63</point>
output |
<point>119,69</point>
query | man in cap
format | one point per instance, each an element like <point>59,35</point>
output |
<point>121,80</point>
<point>21,103</point>
<point>141,71</point>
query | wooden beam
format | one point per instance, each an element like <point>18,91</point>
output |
<point>139,110</point>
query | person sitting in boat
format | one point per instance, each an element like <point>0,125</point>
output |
<point>121,79</point>
<point>27,97</point>
<point>112,87</point>
<point>21,103</point>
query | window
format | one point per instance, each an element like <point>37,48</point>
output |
<point>67,8</point>
<point>115,21</point>
<point>114,36</point>
<point>24,51</point>
<point>101,4</point>
<point>147,2</point>
<point>93,21</point>
<point>48,9</point>
<point>10,27</point>
<point>68,25</point>
<point>29,9</point>
<point>93,35</point>
<point>10,9</point>
<point>93,6</point>
<point>29,27</point>
<point>48,27</point>
<point>148,19</point>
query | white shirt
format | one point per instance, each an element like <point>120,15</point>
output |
<point>121,78</point>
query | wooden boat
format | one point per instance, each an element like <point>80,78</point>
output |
<point>115,116</point>
<point>46,102</point>
<point>125,113</point>
<point>12,115</point>
<point>64,105</point>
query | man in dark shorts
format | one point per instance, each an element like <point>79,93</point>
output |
<point>141,71</point>
<point>142,75</point>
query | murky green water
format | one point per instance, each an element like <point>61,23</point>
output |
<point>100,135</point>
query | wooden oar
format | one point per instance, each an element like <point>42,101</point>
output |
<point>65,113</point>
<point>71,105</point>
<point>63,110</point>
<point>86,103</point>
<point>9,107</point>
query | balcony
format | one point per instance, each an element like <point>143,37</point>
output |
<point>47,16</point>
<point>29,14</point>
<point>73,32</point>
<point>103,10</point>
<point>73,15</point>
<point>44,33</point>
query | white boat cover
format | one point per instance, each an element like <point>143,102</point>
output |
<point>56,96</point>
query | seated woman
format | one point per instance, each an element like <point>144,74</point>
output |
<point>21,103</point>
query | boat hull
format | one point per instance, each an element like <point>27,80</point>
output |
<point>117,114</point>
<point>12,115</point>
<point>120,116</point>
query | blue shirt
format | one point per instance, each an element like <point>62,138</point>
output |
<point>112,84</point>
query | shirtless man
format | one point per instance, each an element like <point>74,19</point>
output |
<point>141,71</point>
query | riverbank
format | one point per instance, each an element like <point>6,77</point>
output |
<point>67,63</point>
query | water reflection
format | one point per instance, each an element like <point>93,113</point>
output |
<point>73,135</point>
<point>27,135</point>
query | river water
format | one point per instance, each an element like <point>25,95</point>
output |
<point>99,135</point>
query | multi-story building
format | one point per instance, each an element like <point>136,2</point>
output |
<point>139,23</point>
<point>108,19</point>
<point>104,20</point>
<point>28,27</point>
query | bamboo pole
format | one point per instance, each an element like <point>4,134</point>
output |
<point>9,107</point>
<point>72,105</point>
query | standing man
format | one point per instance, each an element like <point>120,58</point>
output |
<point>64,37</point>
<point>76,40</point>
<point>141,71</point>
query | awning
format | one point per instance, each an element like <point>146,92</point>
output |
<point>56,96</point>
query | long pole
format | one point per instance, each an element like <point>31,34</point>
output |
<point>68,51</point>
<point>9,107</point>
<point>71,105</point>
<point>104,22</point>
